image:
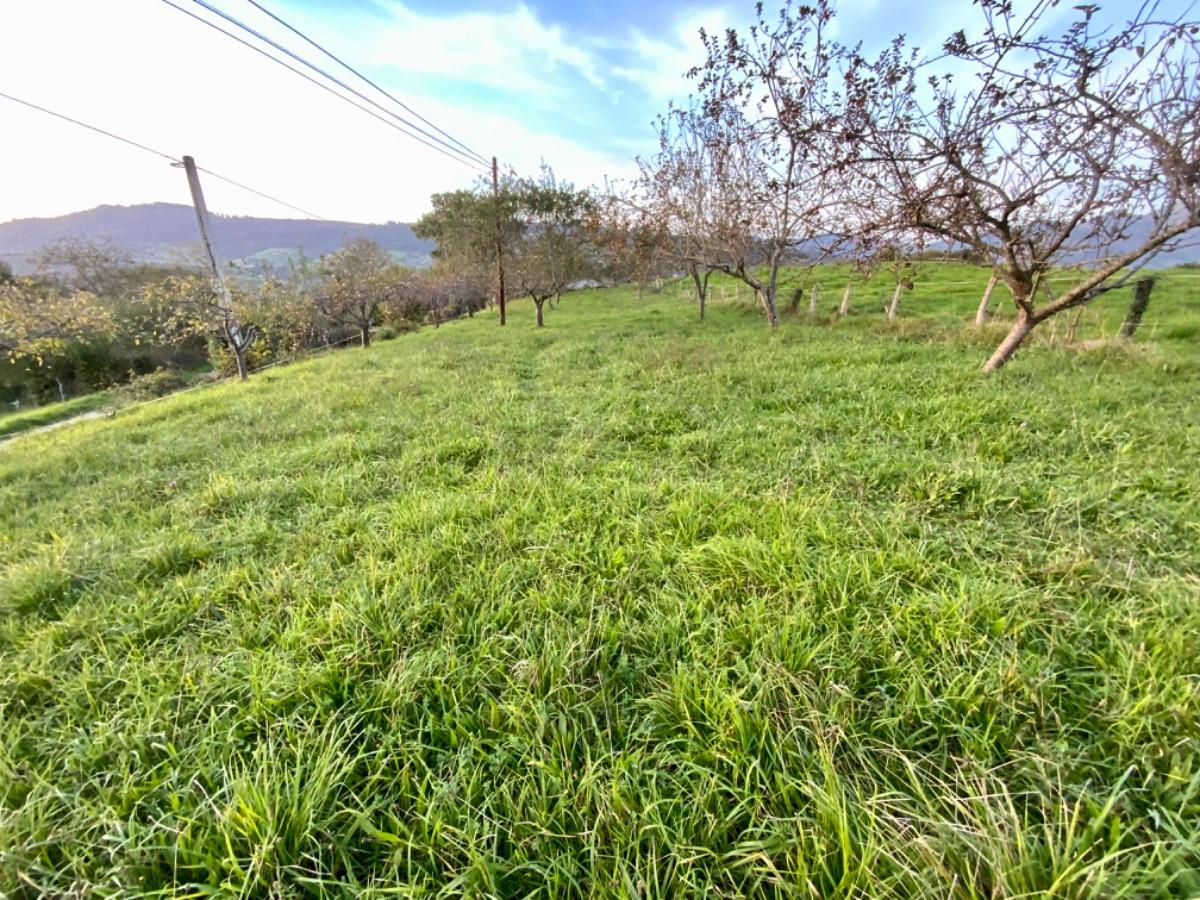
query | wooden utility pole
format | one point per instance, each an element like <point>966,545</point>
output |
<point>238,341</point>
<point>499,245</point>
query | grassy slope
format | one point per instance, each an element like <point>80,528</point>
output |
<point>628,606</point>
<point>41,416</point>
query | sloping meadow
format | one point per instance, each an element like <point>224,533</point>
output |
<point>632,605</point>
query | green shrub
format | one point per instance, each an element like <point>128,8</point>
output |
<point>158,383</point>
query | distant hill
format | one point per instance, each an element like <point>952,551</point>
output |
<point>163,232</point>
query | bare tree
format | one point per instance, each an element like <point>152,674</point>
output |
<point>767,121</point>
<point>631,240</point>
<point>99,267</point>
<point>674,199</point>
<point>1077,147</point>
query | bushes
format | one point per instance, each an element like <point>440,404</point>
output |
<point>154,384</point>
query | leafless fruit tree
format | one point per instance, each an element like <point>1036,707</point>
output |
<point>1037,149</point>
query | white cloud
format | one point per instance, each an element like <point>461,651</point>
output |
<point>143,70</point>
<point>665,61</point>
<point>512,49</point>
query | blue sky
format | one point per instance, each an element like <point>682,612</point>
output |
<point>576,84</point>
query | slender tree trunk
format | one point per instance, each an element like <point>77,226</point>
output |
<point>365,334</point>
<point>1141,299</point>
<point>769,295</point>
<point>844,309</point>
<point>62,395</point>
<point>541,321</point>
<point>1012,341</point>
<point>768,305</point>
<point>239,343</point>
<point>894,307</point>
<point>1074,326</point>
<point>701,288</point>
<point>239,354</point>
<point>982,312</point>
<point>812,300</point>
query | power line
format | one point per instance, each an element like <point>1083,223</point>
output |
<point>355,71</point>
<point>309,78</point>
<point>109,134</point>
<point>445,148</point>
<point>245,187</point>
<point>167,156</point>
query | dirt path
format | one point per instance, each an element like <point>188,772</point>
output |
<point>90,414</point>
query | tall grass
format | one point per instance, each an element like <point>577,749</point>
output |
<point>631,606</point>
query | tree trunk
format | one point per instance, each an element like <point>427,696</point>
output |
<point>768,305</point>
<point>982,312</point>
<point>365,333</point>
<point>62,395</point>
<point>540,319</point>
<point>812,300</point>
<point>1074,326</point>
<point>239,343</point>
<point>1013,340</point>
<point>239,354</point>
<point>1141,299</point>
<point>770,295</point>
<point>701,288</point>
<point>844,309</point>
<point>894,307</point>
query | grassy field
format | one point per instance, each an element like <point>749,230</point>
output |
<point>40,416</point>
<point>631,606</point>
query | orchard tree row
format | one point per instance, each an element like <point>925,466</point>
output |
<point>90,318</point>
<point>1030,145</point>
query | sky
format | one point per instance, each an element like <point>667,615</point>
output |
<point>573,83</point>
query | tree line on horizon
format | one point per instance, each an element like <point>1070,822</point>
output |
<point>90,317</point>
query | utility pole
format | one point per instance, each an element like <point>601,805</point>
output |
<point>499,246</point>
<point>238,341</point>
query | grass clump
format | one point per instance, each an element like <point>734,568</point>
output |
<point>629,606</point>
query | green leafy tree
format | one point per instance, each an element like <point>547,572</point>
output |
<point>552,251</point>
<point>355,284</point>
<point>38,320</point>
<point>183,307</point>
<point>472,229</point>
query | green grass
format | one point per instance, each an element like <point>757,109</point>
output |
<point>631,606</point>
<point>40,416</point>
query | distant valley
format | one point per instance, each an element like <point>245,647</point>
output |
<point>166,232</point>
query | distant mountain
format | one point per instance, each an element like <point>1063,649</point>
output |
<point>165,232</point>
